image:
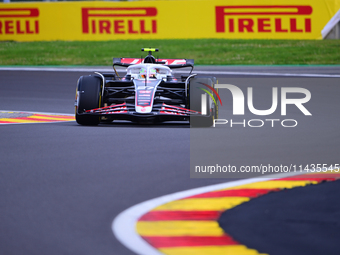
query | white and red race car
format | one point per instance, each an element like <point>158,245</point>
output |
<point>148,93</point>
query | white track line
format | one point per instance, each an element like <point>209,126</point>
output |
<point>124,225</point>
<point>67,69</point>
<point>56,69</point>
<point>271,74</point>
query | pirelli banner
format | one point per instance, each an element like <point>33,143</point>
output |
<point>243,19</point>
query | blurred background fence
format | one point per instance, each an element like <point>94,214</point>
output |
<point>42,20</point>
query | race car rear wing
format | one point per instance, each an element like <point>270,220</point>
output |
<point>172,63</point>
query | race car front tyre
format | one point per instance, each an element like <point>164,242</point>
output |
<point>197,88</point>
<point>89,96</point>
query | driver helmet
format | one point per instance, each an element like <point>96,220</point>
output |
<point>153,73</point>
<point>142,73</point>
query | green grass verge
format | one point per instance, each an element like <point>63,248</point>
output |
<point>204,51</point>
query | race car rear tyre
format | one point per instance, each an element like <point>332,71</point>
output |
<point>195,93</point>
<point>89,96</point>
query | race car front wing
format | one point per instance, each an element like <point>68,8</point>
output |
<point>126,111</point>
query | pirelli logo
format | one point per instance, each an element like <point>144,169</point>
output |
<point>135,20</point>
<point>19,21</point>
<point>264,19</point>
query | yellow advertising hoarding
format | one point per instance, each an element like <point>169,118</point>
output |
<point>243,19</point>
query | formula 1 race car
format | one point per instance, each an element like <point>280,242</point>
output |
<point>148,93</point>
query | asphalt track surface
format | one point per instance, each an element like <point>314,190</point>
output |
<point>303,220</point>
<point>61,184</point>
